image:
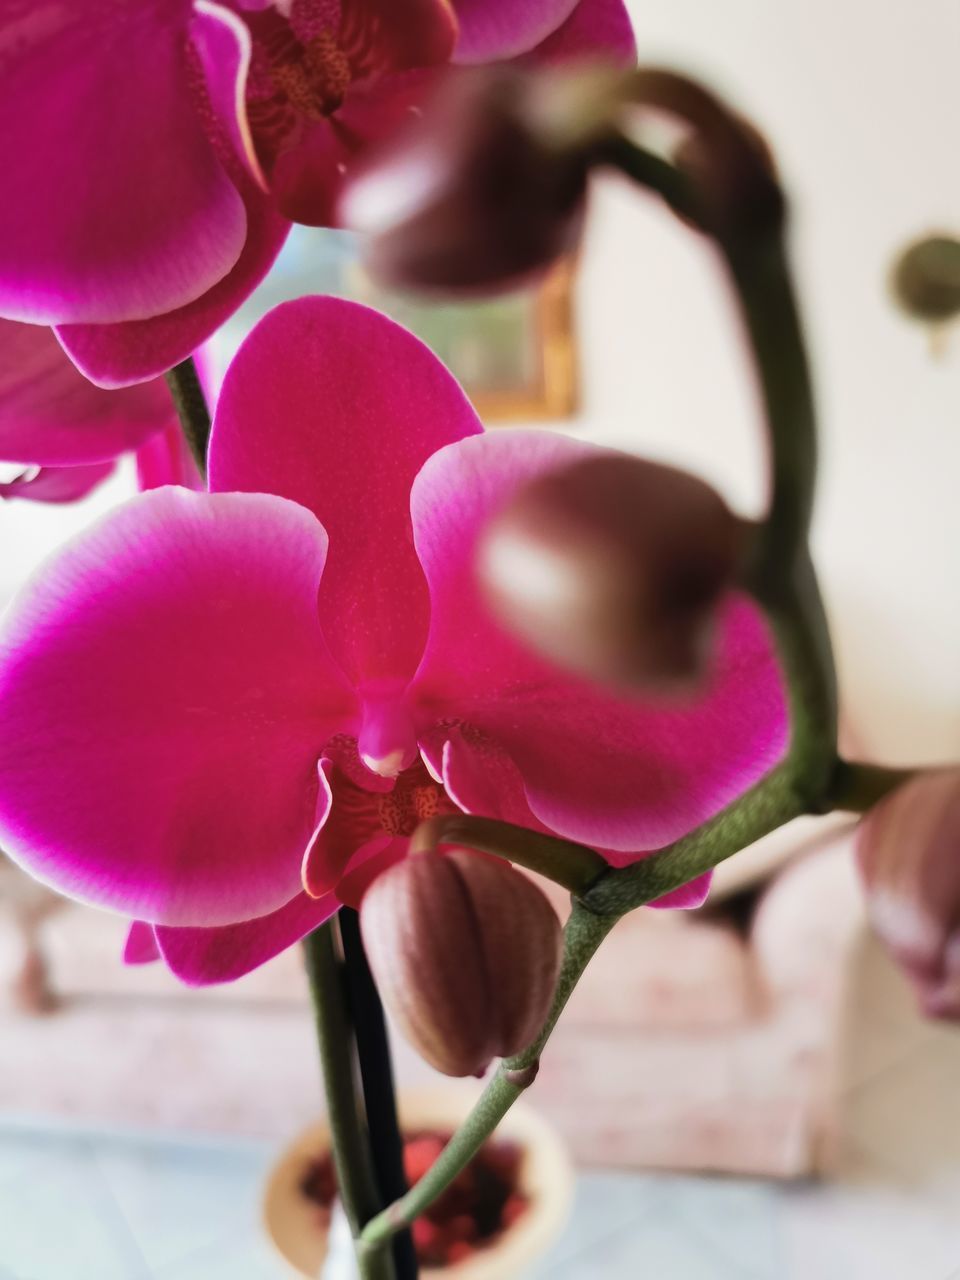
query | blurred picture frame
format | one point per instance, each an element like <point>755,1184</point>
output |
<point>515,355</point>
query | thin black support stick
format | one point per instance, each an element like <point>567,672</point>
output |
<point>359,1194</point>
<point>376,1076</point>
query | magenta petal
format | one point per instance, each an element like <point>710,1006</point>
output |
<point>306,180</point>
<point>335,406</point>
<point>353,824</point>
<point>141,944</point>
<point>367,863</point>
<point>50,415</point>
<point>203,957</point>
<point>57,484</point>
<point>165,694</point>
<point>616,772</point>
<point>115,205</point>
<point>312,876</point>
<point>494,29</point>
<point>597,28</point>
<point>166,459</point>
<point>480,777</point>
<point>688,896</point>
<point>221,41</point>
<point>115,355</point>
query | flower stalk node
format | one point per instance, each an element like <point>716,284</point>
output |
<point>522,1077</point>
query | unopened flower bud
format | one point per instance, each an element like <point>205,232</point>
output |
<point>908,849</point>
<point>613,566</point>
<point>465,951</point>
<point>925,280</point>
<point>478,195</point>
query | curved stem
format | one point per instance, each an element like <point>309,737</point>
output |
<point>763,286</point>
<point>781,574</point>
<point>795,612</point>
<point>858,787</point>
<point>191,406</point>
<point>583,934</point>
<point>650,170</point>
<point>574,866</point>
<point>766,806</point>
<point>355,1179</point>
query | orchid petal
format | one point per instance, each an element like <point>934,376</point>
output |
<point>165,694</point>
<point>491,30</point>
<point>367,864</point>
<point>616,772</point>
<point>306,180</point>
<point>51,416</point>
<point>57,484</point>
<point>141,944</point>
<point>311,873</point>
<point>221,41</point>
<point>204,957</point>
<point>595,28</point>
<point>479,776</point>
<point>166,459</point>
<point>419,33</point>
<point>116,355</point>
<point>353,823</point>
<point>689,896</point>
<point>115,206</point>
<point>352,405</point>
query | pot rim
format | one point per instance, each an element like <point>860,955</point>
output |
<point>546,1178</point>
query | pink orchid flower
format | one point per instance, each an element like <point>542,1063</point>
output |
<point>155,151</point>
<point>221,713</point>
<point>53,419</point>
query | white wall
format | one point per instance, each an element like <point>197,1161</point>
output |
<point>861,101</point>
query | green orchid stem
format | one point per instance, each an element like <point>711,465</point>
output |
<point>766,806</point>
<point>583,934</point>
<point>192,410</point>
<point>858,787</point>
<point>781,575</point>
<point>348,1135</point>
<point>574,866</point>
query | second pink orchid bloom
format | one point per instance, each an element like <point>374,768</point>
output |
<point>156,151</point>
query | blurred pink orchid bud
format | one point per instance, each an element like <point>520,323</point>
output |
<point>466,952</point>
<point>480,194</point>
<point>614,566</point>
<point>909,855</point>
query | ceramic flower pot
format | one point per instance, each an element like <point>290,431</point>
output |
<point>545,1180</point>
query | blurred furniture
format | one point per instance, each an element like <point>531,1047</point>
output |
<point>697,1044</point>
<point>695,1041</point>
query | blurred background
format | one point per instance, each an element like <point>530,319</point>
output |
<point>747,1092</point>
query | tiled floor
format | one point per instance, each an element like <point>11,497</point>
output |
<point>80,1206</point>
